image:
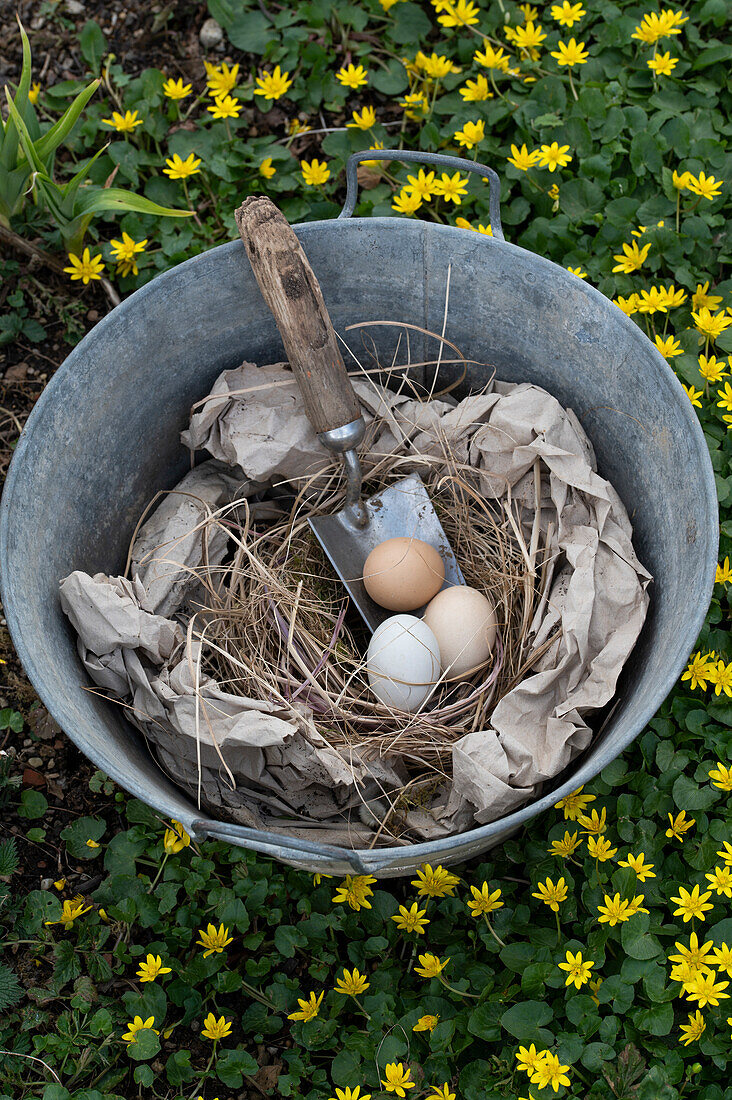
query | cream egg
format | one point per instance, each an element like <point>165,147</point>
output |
<point>403,662</point>
<point>464,623</point>
<point>403,574</point>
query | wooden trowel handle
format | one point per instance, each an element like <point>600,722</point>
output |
<point>293,294</point>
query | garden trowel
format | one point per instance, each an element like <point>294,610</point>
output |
<point>293,294</point>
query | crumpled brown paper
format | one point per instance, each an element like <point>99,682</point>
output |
<point>269,766</point>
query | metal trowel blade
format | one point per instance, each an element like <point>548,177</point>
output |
<point>404,510</point>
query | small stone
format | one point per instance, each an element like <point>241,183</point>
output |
<point>17,373</point>
<point>74,7</point>
<point>210,34</point>
<point>35,762</point>
<point>46,883</point>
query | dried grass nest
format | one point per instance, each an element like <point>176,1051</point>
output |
<point>274,622</point>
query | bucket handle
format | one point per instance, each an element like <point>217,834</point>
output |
<point>439,159</point>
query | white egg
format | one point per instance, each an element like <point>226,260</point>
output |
<point>403,662</point>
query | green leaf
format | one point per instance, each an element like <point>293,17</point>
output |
<point>178,1068</point>
<point>635,938</point>
<point>93,44</point>
<point>524,1020</point>
<point>233,1065</point>
<point>61,129</point>
<point>410,24</point>
<point>580,198</point>
<point>146,1044</point>
<point>32,805</point>
<point>115,198</point>
<point>711,56</point>
<point>251,31</point>
<point>287,939</point>
<point>657,1020</point>
<point>689,796</point>
<point>79,832</point>
<point>392,80</point>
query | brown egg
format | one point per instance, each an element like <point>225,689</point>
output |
<point>403,574</point>
<point>464,623</point>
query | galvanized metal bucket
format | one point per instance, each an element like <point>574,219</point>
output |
<point>104,437</point>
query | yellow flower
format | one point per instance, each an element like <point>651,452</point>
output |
<point>551,894</point>
<point>125,253</point>
<point>668,346</point>
<point>352,983</point>
<point>226,106</point>
<point>721,776</point>
<point>123,123</point>
<point>600,848</point>
<point>314,173</point>
<point>695,956</point>
<point>221,80</point>
<point>726,853</point>
<point>431,966</point>
<point>722,958</point>
<point>529,36</point>
<point>355,890</point>
<point>406,202</point>
<point>725,395</point>
<point>318,878</point>
<point>462,13</point>
<point>706,186</point>
<point>179,169</point>
<point>705,991</point>
<point>679,825</point>
<point>86,267</point>
<point>463,223</point>
<point>653,27</point>
<point>272,86</point>
<point>426,1023</point>
<point>412,919</point>
<point>570,53</point>
<point>523,159</point>
<point>614,910</point>
<point>567,14</point>
<point>138,1024</point>
<point>93,843</point>
<point>574,804</point>
<point>578,272</point>
<point>712,369</point>
<point>471,134</point>
<point>720,880</point>
<point>491,58</point>
<point>721,677</point>
<point>60,883</point>
<point>483,900</point>
<point>352,76</point>
<point>440,1093</point>
<point>267,168</point>
<point>631,258</point>
<point>550,1072</point>
<point>701,297</point>
<point>636,905</point>
<point>214,1028</point>
<point>593,822</point>
<point>398,1078</point>
<point>578,970</point>
<point>528,12</point>
<point>569,843</point>
<point>214,939</point>
<point>308,1009</point>
<point>697,672</point>
<point>33,92</point>
<point>711,324</point>
<point>628,305</point>
<point>637,863</point>
<point>151,968</point>
<point>453,188</point>
<point>663,64</point>
<point>693,1030</point>
<point>364,119</point>
<point>295,127</point>
<point>103,915</point>
<point>439,883</point>
<point>474,91</point>
<point>348,1093</point>
<point>70,912</point>
<point>692,904</point>
<point>436,66</point>
<point>176,89</point>
<point>681,182</point>
<point>594,986</point>
<point>554,156</point>
<point>529,1058</point>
